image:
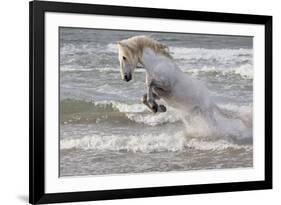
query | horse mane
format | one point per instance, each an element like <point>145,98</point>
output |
<point>138,43</point>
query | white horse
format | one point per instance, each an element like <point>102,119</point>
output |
<point>165,80</point>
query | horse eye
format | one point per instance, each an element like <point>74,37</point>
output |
<point>124,58</point>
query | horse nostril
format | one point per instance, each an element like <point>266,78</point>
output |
<point>127,77</point>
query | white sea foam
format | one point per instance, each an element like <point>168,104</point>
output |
<point>244,112</point>
<point>99,69</point>
<point>245,71</point>
<point>85,48</point>
<point>180,141</point>
<point>221,55</point>
<point>115,69</point>
<point>139,113</point>
<point>122,107</point>
<point>82,69</point>
<point>144,143</point>
<point>237,108</point>
<point>147,143</point>
<point>239,60</point>
<point>75,69</point>
<point>112,47</point>
<point>218,145</point>
<point>155,119</point>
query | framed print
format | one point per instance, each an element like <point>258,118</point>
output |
<point>130,102</point>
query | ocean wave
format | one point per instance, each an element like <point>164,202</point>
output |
<point>82,69</point>
<point>224,56</point>
<point>148,143</point>
<point>196,56</point>
<point>99,69</point>
<point>220,55</point>
<point>139,113</point>
<point>197,53</point>
<point>112,47</point>
<point>244,71</point>
<point>170,116</point>
<point>221,61</point>
<point>77,111</point>
<point>244,112</point>
<point>247,108</point>
<point>77,49</point>
<point>122,107</point>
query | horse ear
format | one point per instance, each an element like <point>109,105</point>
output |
<point>120,43</point>
<point>124,45</point>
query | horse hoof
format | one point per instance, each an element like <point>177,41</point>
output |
<point>154,108</point>
<point>162,108</point>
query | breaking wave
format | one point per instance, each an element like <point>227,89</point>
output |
<point>210,56</point>
<point>208,61</point>
<point>77,111</point>
<point>222,55</point>
<point>237,123</point>
<point>244,71</point>
<point>148,143</point>
<point>99,69</point>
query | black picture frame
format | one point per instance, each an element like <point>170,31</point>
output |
<point>37,9</point>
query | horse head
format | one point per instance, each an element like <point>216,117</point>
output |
<point>128,59</point>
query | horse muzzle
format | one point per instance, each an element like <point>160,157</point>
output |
<point>127,77</point>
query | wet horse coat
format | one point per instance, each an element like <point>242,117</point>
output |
<point>163,77</point>
<point>165,80</point>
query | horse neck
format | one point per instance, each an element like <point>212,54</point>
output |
<point>150,59</point>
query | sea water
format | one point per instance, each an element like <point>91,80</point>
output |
<point>104,127</point>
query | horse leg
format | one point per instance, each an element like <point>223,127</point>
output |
<point>153,86</point>
<point>156,108</point>
<point>161,108</point>
<point>152,105</point>
<point>150,98</point>
<point>144,101</point>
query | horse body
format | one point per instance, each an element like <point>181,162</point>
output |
<point>165,80</point>
<point>172,85</point>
